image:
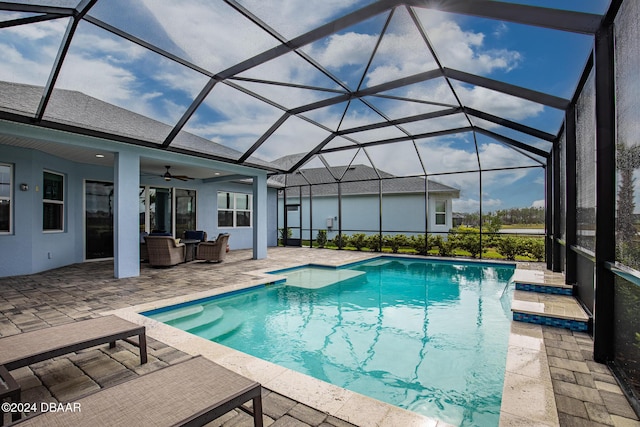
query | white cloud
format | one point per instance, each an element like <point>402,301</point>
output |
<point>98,78</point>
<point>538,204</point>
<point>214,37</point>
<point>500,30</point>
<point>340,50</point>
<point>42,31</point>
<point>293,17</point>
<point>466,205</point>
<point>28,51</point>
<point>497,103</point>
<point>464,49</point>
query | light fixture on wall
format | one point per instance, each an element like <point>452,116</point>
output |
<point>24,187</point>
<point>167,175</point>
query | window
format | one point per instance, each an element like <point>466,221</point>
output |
<point>441,212</point>
<point>53,202</point>
<point>5,197</point>
<point>185,210</point>
<point>234,209</point>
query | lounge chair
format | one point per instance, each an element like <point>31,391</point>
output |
<point>42,344</point>
<point>192,393</point>
<point>213,251</point>
<point>164,251</point>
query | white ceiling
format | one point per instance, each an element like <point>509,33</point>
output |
<point>148,166</point>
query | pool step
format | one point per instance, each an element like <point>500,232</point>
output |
<point>229,322</point>
<point>210,313</point>
<point>543,298</point>
<point>541,281</point>
<point>182,313</point>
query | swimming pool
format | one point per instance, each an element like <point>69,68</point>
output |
<point>428,336</point>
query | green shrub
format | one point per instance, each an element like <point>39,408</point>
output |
<point>628,253</point>
<point>396,241</point>
<point>509,247</point>
<point>467,239</point>
<point>282,232</point>
<point>321,238</point>
<point>358,241</point>
<point>534,248</point>
<point>373,242</point>
<point>340,240</point>
<point>445,246</point>
<point>419,244</point>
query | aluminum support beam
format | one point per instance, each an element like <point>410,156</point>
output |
<point>603,326</point>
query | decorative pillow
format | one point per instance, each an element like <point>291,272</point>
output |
<point>177,241</point>
<point>194,235</point>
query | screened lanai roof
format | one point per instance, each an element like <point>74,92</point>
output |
<point>412,88</point>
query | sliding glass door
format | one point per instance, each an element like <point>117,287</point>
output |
<point>98,219</point>
<point>185,211</point>
<point>157,207</point>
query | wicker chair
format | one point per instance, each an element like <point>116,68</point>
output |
<point>213,251</point>
<point>164,251</point>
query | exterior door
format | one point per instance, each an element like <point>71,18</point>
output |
<point>292,235</point>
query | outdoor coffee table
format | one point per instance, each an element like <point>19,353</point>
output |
<point>191,245</point>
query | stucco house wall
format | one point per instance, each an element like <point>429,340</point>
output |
<point>27,249</point>
<point>402,213</point>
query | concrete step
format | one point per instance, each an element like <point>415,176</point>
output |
<point>542,282</point>
<point>561,311</point>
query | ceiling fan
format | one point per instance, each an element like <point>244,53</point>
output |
<point>168,176</point>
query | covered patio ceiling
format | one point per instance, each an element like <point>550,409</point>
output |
<point>412,88</point>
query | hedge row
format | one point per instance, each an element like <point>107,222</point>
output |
<point>461,238</point>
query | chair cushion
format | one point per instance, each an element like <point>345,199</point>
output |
<point>194,235</point>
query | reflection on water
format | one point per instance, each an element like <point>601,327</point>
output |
<point>429,337</point>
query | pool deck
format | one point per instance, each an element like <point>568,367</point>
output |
<point>551,376</point>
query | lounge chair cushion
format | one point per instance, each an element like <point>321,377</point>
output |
<point>195,235</point>
<point>42,344</point>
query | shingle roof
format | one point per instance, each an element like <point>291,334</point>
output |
<point>74,108</point>
<point>358,180</point>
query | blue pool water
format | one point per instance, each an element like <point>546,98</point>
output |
<point>430,337</point>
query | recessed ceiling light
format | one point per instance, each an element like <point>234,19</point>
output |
<point>217,173</point>
<point>99,156</point>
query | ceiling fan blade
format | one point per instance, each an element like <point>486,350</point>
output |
<point>181,177</point>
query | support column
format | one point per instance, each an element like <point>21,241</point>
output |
<point>603,326</point>
<point>260,216</point>
<point>126,244</point>
<point>548,224</point>
<point>556,219</point>
<point>571,275</point>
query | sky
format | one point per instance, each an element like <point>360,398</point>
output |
<point>119,72</point>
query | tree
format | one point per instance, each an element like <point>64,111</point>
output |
<point>628,160</point>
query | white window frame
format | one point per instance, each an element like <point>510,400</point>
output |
<point>54,202</point>
<point>9,198</point>
<point>442,213</point>
<point>235,210</point>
